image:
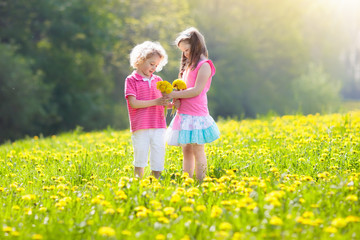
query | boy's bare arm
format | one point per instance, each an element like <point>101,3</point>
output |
<point>134,103</point>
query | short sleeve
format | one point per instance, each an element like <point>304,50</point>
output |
<point>130,87</point>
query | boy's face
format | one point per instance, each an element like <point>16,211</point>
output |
<point>148,67</point>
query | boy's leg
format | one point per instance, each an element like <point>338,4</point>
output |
<point>156,173</point>
<point>139,172</point>
<point>141,142</point>
<point>157,151</point>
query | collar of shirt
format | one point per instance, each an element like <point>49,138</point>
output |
<point>148,80</point>
<point>139,77</point>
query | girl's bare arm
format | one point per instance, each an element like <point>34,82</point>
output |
<point>202,77</point>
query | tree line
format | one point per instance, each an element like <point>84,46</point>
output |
<point>63,63</point>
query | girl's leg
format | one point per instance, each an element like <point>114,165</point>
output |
<point>200,161</point>
<point>139,172</point>
<point>189,160</point>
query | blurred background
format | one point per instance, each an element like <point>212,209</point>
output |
<point>63,63</point>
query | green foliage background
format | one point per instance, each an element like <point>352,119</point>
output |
<point>63,63</point>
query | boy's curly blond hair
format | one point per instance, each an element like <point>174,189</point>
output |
<point>145,50</point>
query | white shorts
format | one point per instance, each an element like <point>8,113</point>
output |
<point>149,139</point>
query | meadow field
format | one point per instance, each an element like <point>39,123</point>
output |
<point>290,177</point>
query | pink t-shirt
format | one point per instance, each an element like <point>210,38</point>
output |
<point>196,106</point>
<point>143,89</point>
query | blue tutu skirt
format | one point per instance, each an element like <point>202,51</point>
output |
<point>185,129</point>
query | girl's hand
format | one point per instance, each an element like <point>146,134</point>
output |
<point>176,103</point>
<point>170,95</point>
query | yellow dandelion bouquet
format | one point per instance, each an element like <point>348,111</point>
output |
<point>178,85</point>
<point>164,87</point>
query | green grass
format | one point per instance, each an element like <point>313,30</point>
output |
<point>290,177</point>
<point>351,105</point>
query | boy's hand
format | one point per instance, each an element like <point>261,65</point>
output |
<point>162,101</point>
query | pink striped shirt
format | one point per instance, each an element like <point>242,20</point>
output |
<point>144,118</point>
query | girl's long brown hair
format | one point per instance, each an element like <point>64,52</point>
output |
<point>196,40</point>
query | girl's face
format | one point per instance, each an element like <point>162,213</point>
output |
<point>185,48</point>
<point>148,67</point>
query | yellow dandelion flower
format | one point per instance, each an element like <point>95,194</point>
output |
<point>174,216</point>
<point>252,206</point>
<point>352,198</point>
<point>276,221</point>
<point>330,229</point>
<point>156,204</point>
<point>121,195</point>
<point>164,220</point>
<point>225,226</point>
<point>61,178</point>
<point>168,89</point>
<point>15,233</point>
<point>237,236</point>
<point>28,197</point>
<point>42,209</point>
<point>37,237</point>
<point>207,179</point>
<point>185,175</point>
<point>106,231</point>
<point>308,214</point>
<point>175,198</point>
<point>179,84</point>
<point>15,207</point>
<point>158,213</point>
<point>126,232</point>
<point>7,229</point>
<point>216,211</point>
<point>110,211</point>
<point>307,179</point>
<point>201,208</point>
<point>267,161</point>
<point>160,237</point>
<point>187,209</point>
<point>352,219</point>
<point>189,181</point>
<point>164,87</point>
<point>141,214</point>
<point>54,197</point>
<point>90,222</point>
<point>221,235</point>
<point>339,222</point>
<point>186,237</point>
<point>120,210</point>
<point>169,210</point>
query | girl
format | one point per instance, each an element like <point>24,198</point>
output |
<point>192,126</point>
<point>146,107</point>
